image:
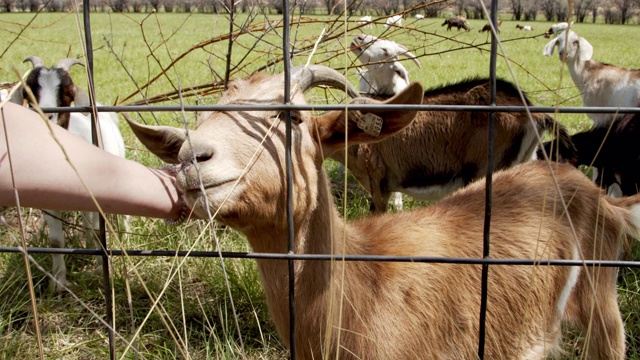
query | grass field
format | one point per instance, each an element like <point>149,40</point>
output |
<point>192,318</point>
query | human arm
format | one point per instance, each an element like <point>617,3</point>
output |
<point>31,159</point>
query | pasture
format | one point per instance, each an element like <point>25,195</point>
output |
<point>170,307</point>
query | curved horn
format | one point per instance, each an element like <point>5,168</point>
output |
<point>35,61</point>
<point>408,54</point>
<point>66,64</point>
<point>314,75</point>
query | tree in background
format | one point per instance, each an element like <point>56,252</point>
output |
<point>625,8</point>
<point>582,7</point>
<point>6,5</point>
<point>517,9</point>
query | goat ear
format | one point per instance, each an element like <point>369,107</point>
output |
<point>16,97</point>
<point>369,126</point>
<point>585,50</point>
<point>164,141</point>
<point>548,49</point>
<point>81,98</point>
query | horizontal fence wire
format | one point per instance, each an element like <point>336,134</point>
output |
<point>363,107</point>
<point>324,257</point>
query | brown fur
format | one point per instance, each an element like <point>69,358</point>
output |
<point>445,150</point>
<point>455,22</point>
<point>388,310</point>
<point>487,27</point>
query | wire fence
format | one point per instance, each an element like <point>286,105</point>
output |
<point>291,256</point>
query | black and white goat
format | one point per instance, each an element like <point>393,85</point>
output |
<point>53,87</point>
<point>555,29</point>
<point>612,150</point>
<point>601,85</point>
<point>524,27</point>
<point>442,151</point>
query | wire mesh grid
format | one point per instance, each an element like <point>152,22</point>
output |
<point>291,256</point>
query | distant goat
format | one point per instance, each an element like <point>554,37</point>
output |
<point>401,310</point>
<point>394,20</point>
<point>524,28</point>
<point>487,27</point>
<point>455,22</point>
<point>53,87</point>
<point>556,29</point>
<point>366,21</point>
<point>385,75</point>
<point>601,85</point>
<point>454,144</point>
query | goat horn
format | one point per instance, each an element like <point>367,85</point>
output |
<point>66,64</point>
<point>35,61</point>
<point>410,55</point>
<point>315,75</point>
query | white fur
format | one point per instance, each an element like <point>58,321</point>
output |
<point>385,75</point>
<point>393,20</point>
<point>601,85</point>
<point>557,28</point>
<point>365,20</point>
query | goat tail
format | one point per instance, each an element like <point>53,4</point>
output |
<point>629,209</point>
<point>562,149</point>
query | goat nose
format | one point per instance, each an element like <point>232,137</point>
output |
<point>195,152</point>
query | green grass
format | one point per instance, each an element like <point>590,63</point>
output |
<point>194,316</point>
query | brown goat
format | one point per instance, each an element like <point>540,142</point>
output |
<point>455,22</point>
<point>390,310</point>
<point>445,150</point>
<point>487,27</point>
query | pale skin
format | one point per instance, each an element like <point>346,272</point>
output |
<point>35,172</point>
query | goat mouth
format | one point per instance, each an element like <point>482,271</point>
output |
<point>194,190</point>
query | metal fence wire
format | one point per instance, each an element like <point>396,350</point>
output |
<point>291,256</point>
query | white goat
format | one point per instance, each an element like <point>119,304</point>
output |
<point>53,87</point>
<point>389,310</point>
<point>395,20</point>
<point>601,85</point>
<point>366,21</point>
<point>556,29</point>
<point>385,75</point>
<point>453,145</point>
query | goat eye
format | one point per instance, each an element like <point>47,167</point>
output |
<point>295,117</point>
<point>401,74</point>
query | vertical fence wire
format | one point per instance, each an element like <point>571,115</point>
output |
<point>484,286</point>
<point>102,232</point>
<point>289,179</point>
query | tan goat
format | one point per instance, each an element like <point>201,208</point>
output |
<point>390,310</point>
